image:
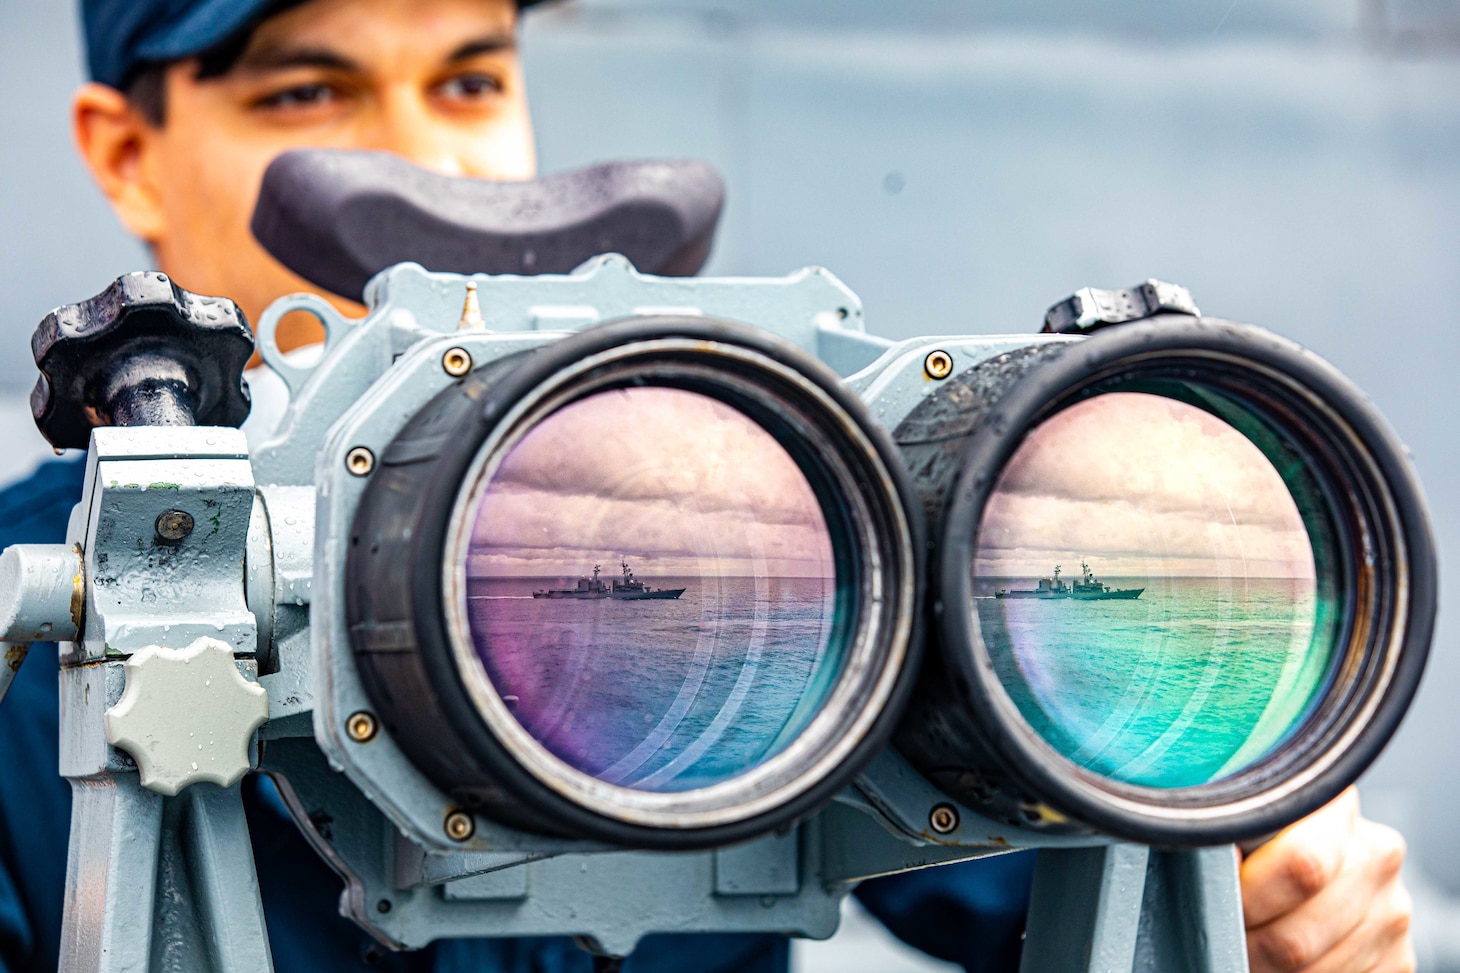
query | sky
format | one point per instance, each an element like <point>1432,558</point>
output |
<point>676,482</point>
<point>1141,485</point>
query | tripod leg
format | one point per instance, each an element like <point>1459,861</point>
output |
<point>225,884</point>
<point>1085,910</point>
<point>1192,916</point>
<point>158,883</point>
<point>1125,908</point>
<point>111,875</point>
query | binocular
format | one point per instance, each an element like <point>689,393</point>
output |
<point>550,569</point>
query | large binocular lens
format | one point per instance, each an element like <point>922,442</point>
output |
<point>656,583</point>
<point>1187,586</point>
<point>1209,633</point>
<point>683,679</point>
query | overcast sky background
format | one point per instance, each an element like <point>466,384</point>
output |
<point>1141,486</point>
<point>676,482</point>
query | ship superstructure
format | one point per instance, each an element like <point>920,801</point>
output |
<point>588,589</point>
<point>1048,588</point>
<point>1088,588</point>
<point>629,588</point>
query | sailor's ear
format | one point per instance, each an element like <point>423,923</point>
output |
<point>117,144</point>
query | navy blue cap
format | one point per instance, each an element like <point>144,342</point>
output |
<point>122,35</point>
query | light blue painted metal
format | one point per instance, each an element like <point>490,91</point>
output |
<point>160,885</point>
<point>766,866</point>
<point>1128,909</point>
<point>1085,910</point>
<point>581,894</point>
<point>408,304</point>
<point>140,593</point>
<point>1191,914</point>
<point>40,585</point>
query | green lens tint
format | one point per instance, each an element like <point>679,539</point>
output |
<point>1147,589</point>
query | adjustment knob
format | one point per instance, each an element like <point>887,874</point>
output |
<point>143,352</point>
<point>1090,309</point>
<point>187,715</point>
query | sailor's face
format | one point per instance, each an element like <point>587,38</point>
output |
<point>435,81</point>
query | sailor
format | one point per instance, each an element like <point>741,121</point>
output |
<point>190,100</point>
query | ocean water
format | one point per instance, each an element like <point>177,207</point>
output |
<point>1193,681</point>
<point>660,695</point>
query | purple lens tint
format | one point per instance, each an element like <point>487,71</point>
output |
<point>651,589</point>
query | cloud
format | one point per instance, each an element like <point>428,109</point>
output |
<point>1137,482</point>
<point>651,474</point>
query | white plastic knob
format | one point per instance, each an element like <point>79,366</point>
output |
<point>187,715</point>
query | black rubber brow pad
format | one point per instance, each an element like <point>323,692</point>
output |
<point>338,218</point>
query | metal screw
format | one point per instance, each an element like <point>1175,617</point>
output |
<point>460,826</point>
<point>938,365</point>
<point>943,818</point>
<point>174,525</point>
<point>471,311</point>
<point>360,461</point>
<point>456,361</point>
<point>362,727</point>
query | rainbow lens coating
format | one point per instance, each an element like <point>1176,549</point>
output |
<point>1148,592</point>
<point>651,589</point>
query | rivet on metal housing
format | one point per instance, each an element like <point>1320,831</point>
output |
<point>456,361</point>
<point>173,525</point>
<point>938,365</point>
<point>943,818</point>
<point>362,726</point>
<point>460,825</point>
<point>360,461</point>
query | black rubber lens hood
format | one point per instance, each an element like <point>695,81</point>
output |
<point>965,733</point>
<point>397,605</point>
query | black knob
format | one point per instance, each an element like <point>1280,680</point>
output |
<point>143,352</point>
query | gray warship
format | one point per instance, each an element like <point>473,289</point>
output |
<point>1048,589</point>
<point>629,588</point>
<point>1088,588</point>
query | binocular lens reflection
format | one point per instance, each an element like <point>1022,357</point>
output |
<point>1148,592</point>
<point>651,589</point>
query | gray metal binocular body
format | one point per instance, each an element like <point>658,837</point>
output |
<point>847,655</point>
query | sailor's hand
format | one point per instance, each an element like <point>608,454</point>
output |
<point>1325,896</point>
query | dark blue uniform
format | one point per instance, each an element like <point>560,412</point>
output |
<point>970,914</point>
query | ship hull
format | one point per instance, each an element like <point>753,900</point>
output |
<point>1036,595</point>
<point>663,594</point>
<point>571,595</point>
<point>1120,594</point>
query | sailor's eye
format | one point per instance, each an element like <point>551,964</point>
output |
<point>298,97</point>
<point>471,86</point>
